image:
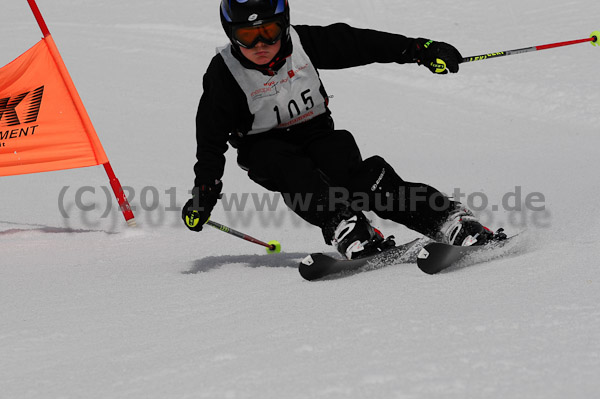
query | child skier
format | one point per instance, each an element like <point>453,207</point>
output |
<point>263,95</point>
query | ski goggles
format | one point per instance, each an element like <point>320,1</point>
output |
<point>249,36</point>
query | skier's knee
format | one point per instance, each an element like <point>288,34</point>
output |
<point>375,175</point>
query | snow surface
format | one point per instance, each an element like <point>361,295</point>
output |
<point>93,309</point>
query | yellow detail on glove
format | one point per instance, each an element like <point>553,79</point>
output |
<point>192,220</point>
<point>439,65</point>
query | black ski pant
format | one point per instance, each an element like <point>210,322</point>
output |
<point>321,174</point>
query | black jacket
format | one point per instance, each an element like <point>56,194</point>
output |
<point>223,107</point>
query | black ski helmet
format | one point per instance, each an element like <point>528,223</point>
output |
<point>240,13</point>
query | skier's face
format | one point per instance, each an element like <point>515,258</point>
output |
<point>262,53</point>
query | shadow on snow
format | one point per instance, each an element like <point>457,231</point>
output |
<point>269,260</point>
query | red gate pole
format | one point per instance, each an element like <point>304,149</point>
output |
<point>114,182</point>
<point>38,17</point>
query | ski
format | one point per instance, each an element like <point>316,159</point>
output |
<point>435,257</point>
<point>319,265</point>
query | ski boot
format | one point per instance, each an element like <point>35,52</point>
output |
<point>354,238</point>
<point>462,228</point>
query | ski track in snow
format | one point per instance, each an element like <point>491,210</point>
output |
<point>90,308</point>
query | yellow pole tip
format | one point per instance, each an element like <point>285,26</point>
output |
<point>276,247</point>
<point>595,35</point>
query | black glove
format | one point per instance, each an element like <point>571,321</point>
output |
<point>197,210</point>
<point>438,57</point>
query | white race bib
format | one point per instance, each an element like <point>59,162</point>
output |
<point>290,97</point>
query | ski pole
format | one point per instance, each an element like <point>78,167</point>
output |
<point>272,246</point>
<point>593,39</point>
